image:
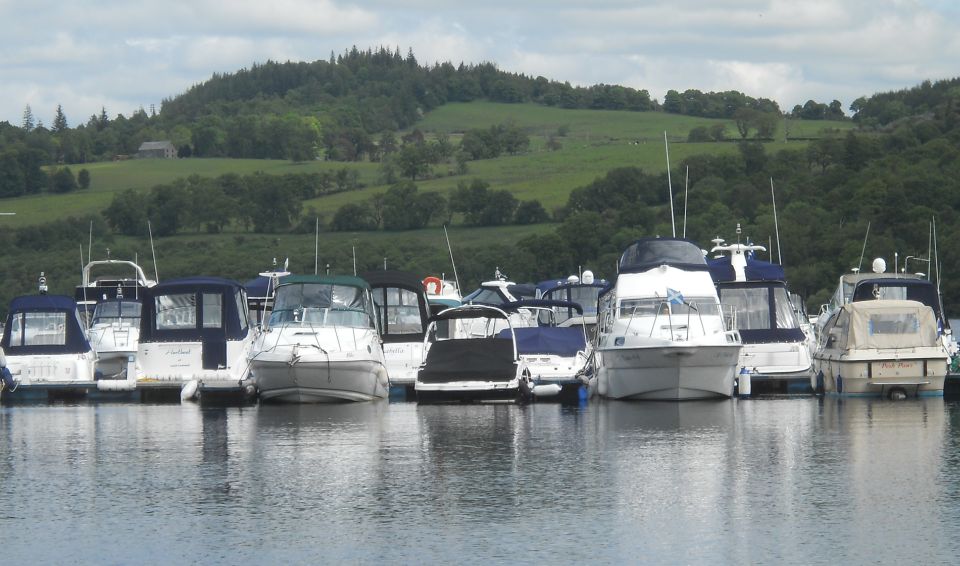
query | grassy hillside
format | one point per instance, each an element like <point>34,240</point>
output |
<point>595,142</point>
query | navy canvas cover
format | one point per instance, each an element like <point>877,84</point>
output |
<point>75,338</point>
<point>469,359</point>
<point>566,341</point>
<point>756,270</point>
<point>380,282</point>
<point>234,325</point>
<point>649,253</point>
<point>919,290</point>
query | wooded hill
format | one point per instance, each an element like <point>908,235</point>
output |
<point>894,166</point>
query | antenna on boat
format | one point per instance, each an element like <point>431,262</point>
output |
<point>862,251</point>
<point>316,248</point>
<point>156,274</point>
<point>450,249</point>
<point>354,248</point>
<point>929,250</point>
<point>86,315</point>
<point>686,187</point>
<point>666,146</point>
<point>90,243</point>
<point>776,227</point>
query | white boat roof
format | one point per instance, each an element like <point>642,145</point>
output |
<point>656,282</point>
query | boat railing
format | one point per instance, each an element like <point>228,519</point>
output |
<point>695,312</point>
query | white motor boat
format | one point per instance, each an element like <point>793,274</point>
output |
<point>776,352</point>
<point>887,348</point>
<point>662,333</point>
<point>46,349</point>
<point>195,334</point>
<point>320,344</point>
<point>403,312</point>
<point>110,307</point>
<point>477,368</point>
<point>555,351</point>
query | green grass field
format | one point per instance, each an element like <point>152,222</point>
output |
<point>596,142</point>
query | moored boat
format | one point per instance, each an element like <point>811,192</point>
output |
<point>478,368</point>
<point>46,349</point>
<point>662,333</point>
<point>195,336</point>
<point>320,343</point>
<point>776,352</point>
<point>887,348</point>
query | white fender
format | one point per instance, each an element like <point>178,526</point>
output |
<point>602,384</point>
<point>189,390</point>
<point>547,389</point>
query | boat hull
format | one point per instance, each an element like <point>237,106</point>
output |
<point>916,377</point>
<point>667,373</point>
<point>319,381</point>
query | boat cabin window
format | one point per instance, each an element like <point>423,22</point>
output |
<point>39,329</point>
<point>212,310</point>
<point>241,301</point>
<point>753,307</point>
<point>176,311</point>
<point>837,331</point>
<point>115,311</point>
<point>398,311</point>
<point>322,304</point>
<point>893,323</point>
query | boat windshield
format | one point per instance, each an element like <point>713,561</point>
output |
<point>705,306</point>
<point>652,252</point>
<point>585,296</point>
<point>486,296</point>
<point>109,312</point>
<point>753,307</point>
<point>322,304</point>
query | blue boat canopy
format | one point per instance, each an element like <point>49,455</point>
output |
<point>566,341</point>
<point>649,253</point>
<point>43,324</point>
<point>757,270</point>
<point>207,309</point>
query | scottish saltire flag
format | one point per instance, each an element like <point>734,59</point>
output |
<point>674,297</point>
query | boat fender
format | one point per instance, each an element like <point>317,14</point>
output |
<point>839,384</point>
<point>602,385</point>
<point>547,390</point>
<point>382,376</point>
<point>189,390</point>
<point>819,387</point>
<point>897,394</point>
<point>744,382</point>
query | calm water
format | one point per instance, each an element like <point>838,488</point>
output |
<point>759,481</point>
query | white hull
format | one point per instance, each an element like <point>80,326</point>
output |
<point>319,380</point>
<point>667,372</point>
<point>52,369</point>
<point>403,360</point>
<point>777,360</point>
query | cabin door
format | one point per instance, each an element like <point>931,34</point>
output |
<point>214,341</point>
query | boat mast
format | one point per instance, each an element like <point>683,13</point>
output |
<point>776,227</point>
<point>450,249</point>
<point>686,189</point>
<point>666,146</point>
<point>864,249</point>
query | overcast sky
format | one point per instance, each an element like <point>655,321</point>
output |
<point>122,55</point>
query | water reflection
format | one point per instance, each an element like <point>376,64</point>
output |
<point>768,480</point>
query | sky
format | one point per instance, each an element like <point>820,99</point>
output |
<point>122,55</point>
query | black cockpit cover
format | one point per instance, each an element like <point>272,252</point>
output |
<point>469,359</point>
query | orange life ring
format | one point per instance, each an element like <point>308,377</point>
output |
<point>433,285</point>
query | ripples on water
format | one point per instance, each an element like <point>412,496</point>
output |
<point>798,480</point>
